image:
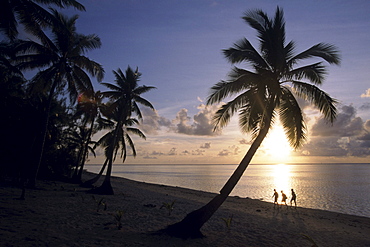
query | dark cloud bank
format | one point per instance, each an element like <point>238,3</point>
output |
<point>348,136</point>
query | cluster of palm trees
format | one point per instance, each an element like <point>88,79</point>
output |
<point>61,109</point>
<point>61,139</point>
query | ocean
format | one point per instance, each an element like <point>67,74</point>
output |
<point>343,188</point>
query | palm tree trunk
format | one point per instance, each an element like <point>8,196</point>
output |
<point>85,150</point>
<point>32,182</point>
<point>90,182</point>
<point>106,187</point>
<point>191,224</point>
<point>74,178</point>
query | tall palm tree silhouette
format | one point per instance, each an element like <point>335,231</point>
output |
<point>262,95</point>
<point>64,61</point>
<point>125,96</point>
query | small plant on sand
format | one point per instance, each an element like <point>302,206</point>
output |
<point>168,206</point>
<point>228,221</point>
<point>309,239</point>
<point>100,203</point>
<point>118,218</point>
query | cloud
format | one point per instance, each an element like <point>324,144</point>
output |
<point>366,94</point>
<point>367,125</point>
<point>365,106</point>
<point>156,153</point>
<point>224,152</point>
<point>152,122</point>
<point>348,136</point>
<point>172,152</point>
<point>197,152</point>
<point>149,157</point>
<point>245,142</point>
<point>206,145</point>
<point>324,147</point>
<point>232,150</point>
<point>200,124</point>
<point>346,124</point>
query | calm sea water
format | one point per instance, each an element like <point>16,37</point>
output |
<point>343,188</point>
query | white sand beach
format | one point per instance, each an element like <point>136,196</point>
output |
<point>63,214</point>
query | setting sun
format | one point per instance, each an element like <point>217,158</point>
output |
<point>276,145</point>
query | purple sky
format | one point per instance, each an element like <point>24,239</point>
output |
<point>177,46</point>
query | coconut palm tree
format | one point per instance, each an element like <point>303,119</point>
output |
<point>79,139</point>
<point>102,124</point>
<point>30,14</point>
<point>263,94</point>
<point>125,97</point>
<point>121,137</point>
<point>89,107</point>
<point>64,61</point>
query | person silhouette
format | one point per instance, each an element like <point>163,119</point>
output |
<point>294,198</point>
<point>283,198</point>
<point>276,196</point>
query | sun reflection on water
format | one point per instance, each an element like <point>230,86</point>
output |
<point>282,178</point>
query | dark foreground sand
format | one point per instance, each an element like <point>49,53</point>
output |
<point>62,214</point>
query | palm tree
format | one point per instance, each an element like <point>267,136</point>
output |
<point>262,95</point>
<point>65,63</point>
<point>124,96</point>
<point>120,136</point>
<point>80,140</point>
<point>88,106</point>
<point>102,124</point>
<point>30,14</point>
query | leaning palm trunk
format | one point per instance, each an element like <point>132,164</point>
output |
<point>89,183</point>
<point>106,187</point>
<point>191,224</point>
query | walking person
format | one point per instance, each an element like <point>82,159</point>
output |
<point>276,196</point>
<point>294,198</point>
<point>283,198</point>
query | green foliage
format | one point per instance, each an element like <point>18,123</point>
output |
<point>168,206</point>
<point>100,203</point>
<point>118,218</point>
<point>228,221</point>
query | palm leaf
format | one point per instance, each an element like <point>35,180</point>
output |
<point>291,118</point>
<point>319,98</point>
<point>325,51</point>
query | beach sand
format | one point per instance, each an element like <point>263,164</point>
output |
<point>63,214</point>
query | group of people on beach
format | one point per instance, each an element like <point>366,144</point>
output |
<point>284,198</point>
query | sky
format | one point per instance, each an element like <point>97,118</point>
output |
<point>177,46</point>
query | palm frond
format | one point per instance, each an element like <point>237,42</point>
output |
<point>317,97</point>
<point>243,51</point>
<point>93,68</point>
<point>313,72</point>
<point>239,80</point>
<point>114,89</point>
<point>328,52</point>
<point>291,118</point>
<point>144,102</point>
<point>137,132</point>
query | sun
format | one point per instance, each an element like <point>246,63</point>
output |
<point>276,146</point>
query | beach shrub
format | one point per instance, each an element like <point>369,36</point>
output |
<point>118,218</point>
<point>168,206</point>
<point>228,221</point>
<point>100,203</point>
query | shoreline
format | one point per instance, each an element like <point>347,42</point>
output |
<point>63,214</point>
